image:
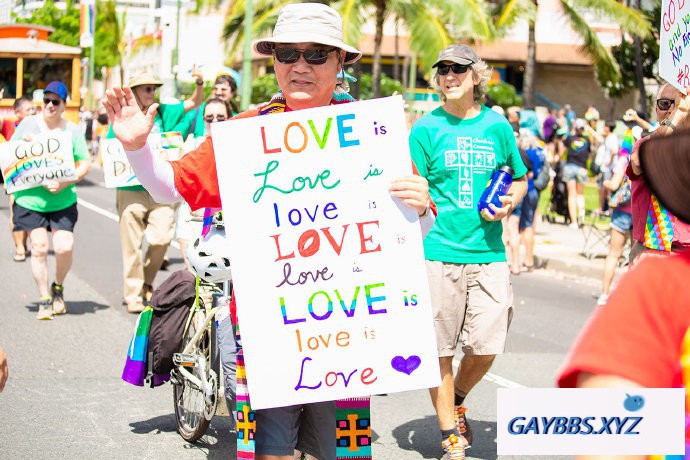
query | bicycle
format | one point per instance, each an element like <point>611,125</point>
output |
<point>195,377</point>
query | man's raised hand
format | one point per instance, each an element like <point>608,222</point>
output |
<point>130,125</point>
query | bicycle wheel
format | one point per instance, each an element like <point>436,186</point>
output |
<point>192,411</point>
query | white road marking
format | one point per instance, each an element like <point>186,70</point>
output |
<point>110,215</point>
<point>497,379</point>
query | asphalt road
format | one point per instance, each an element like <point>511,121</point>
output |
<point>65,398</point>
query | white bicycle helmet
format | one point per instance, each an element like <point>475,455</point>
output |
<point>208,256</point>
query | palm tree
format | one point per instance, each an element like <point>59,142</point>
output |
<point>426,20</point>
<point>630,20</point>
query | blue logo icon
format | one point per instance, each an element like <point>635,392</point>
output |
<point>633,403</point>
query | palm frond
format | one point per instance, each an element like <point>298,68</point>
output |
<point>354,14</point>
<point>507,14</point>
<point>264,20</point>
<point>428,31</point>
<point>604,62</point>
<point>470,19</point>
<point>630,20</point>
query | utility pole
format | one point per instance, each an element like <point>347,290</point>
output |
<point>412,79</point>
<point>246,94</point>
<point>92,65</point>
<point>175,54</point>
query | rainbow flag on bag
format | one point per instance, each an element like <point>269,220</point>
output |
<point>135,366</point>
<point>627,143</point>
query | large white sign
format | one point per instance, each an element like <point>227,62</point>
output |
<point>328,269</point>
<point>117,172</point>
<point>674,54</point>
<point>590,421</point>
<point>47,157</point>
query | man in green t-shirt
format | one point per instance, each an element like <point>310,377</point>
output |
<point>139,214</point>
<point>457,147</point>
<point>53,206</point>
<point>225,89</point>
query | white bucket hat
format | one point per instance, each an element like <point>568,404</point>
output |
<point>308,22</point>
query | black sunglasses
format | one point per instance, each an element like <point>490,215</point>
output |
<point>664,104</point>
<point>47,101</point>
<point>210,118</point>
<point>291,55</point>
<point>457,69</point>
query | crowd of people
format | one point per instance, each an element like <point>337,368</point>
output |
<point>467,263</point>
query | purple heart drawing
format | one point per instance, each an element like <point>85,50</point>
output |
<point>406,366</point>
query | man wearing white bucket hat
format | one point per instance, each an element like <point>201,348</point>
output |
<point>309,52</point>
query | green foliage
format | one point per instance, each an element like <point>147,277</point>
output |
<point>504,94</point>
<point>66,25</point>
<point>188,88</point>
<point>108,36</point>
<point>263,88</point>
<point>389,86</point>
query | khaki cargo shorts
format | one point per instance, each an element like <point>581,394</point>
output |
<point>471,303</point>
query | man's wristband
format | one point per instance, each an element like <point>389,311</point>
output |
<point>199,83</point>
<point>669,123</point>
<point>426,210</point>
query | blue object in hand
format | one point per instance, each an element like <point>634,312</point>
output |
<point>498,187</point>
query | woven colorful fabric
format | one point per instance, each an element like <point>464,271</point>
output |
<point>658,232</point>
<point>353,427</point>
<point>246,418</point>
<point>277,104</point>
<point>134,371</point>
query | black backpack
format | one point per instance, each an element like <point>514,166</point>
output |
<point>171,303</point>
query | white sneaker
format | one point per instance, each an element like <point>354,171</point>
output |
<point>574,226</point>
<point>45,310</point>
<point>453,448</point>
<point>602,299</point>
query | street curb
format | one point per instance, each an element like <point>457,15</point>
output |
<point>570,266</point>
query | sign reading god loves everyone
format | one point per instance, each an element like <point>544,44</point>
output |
<point>674,43</point>
<point>29,164</point>
<point>117,172</point>
<point>328,269</point>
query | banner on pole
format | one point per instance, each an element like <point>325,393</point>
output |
<point>87,23</point>
<point>328,269</point>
